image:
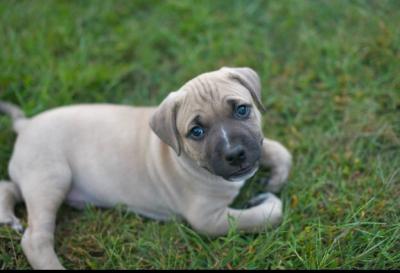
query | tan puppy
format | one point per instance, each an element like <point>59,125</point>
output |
<point>203,142</point>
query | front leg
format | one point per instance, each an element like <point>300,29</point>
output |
<point>276,157</point>
<point>211,220</point>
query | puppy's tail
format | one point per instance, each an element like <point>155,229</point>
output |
<point>16,114</point>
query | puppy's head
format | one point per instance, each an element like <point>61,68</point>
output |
<point>215,120</point>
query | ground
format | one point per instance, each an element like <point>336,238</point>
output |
<point>330,75</point>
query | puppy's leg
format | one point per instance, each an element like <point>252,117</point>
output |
<point>43,196</point>
<point>276,157</point>
<point>9,195</point>
<point>216,221</point>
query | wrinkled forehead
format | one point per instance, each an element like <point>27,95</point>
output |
<point>213,87</point>
<point>210,95</point>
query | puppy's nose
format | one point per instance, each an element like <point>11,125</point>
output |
<point>235,155</point>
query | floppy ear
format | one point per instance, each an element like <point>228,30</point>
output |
<point>249,79</point>
<point>163,122</point>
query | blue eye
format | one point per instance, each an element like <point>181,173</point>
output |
<point>197,132</point>
<point>242,111</point>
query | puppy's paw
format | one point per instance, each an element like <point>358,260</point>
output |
<point>279,160</point>
<point>13,222</point>
<point>279,172</point>
<point>277,180</point>
<point>272,207</point>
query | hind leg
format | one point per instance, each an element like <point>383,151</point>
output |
<point>43,196</point>
<point>9,196</point>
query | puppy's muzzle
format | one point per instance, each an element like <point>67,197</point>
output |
<point>237,159</point>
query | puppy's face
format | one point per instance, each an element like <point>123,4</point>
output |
<point>214,119</point>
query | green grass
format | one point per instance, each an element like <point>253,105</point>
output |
<point>331,82</point>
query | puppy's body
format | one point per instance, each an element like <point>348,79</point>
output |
<point>114,159</point>
<point>107,155</point>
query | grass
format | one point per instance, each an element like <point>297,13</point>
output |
<point>330,74</point>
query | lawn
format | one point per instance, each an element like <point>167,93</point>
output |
<point>330,72</point>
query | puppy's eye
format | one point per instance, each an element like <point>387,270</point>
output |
<point>197,133</point>
<point>242,111</point>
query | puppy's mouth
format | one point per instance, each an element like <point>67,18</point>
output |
<point>243,173</point>
<point>239,175</point>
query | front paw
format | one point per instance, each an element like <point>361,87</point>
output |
<point>279,176</point>
<point>12,222</point>
<point>278,180</point>
<point>270,206</point>
<point>279,160</point>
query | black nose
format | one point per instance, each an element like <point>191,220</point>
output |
<point>235,155</point>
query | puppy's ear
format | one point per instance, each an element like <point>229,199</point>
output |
<point>249,79</point>
<point>163,122</point>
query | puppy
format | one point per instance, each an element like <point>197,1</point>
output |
<point>186,158</point>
